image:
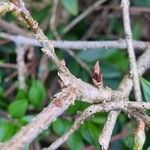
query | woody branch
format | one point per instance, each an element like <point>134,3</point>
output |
<point>76,88</point>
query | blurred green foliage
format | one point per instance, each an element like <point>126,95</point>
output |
<point>71,6</point>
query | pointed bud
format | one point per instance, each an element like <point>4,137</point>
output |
<point>96,75</point>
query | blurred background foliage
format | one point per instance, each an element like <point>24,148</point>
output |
<point>18,107</point>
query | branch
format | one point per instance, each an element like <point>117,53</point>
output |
<point>140,132</point>
<point>125,106</point>
<point>20,51</point>
<point>77,45</point>
<point>21,11</point>
<point>81,89</point>
<point>133,9</point>
<point>8,65</point>
<point>41,122</point>
<point>107,131</point>
<point>132,58</point>
<point>126,87</point>
<point>53,18</point>
<point>13,28</point>
<point>25,132</point>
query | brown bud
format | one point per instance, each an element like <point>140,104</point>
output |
<point>96,75</point>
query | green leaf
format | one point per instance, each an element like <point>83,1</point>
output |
<point>94,132</point>
<point>58,127</point>
<point>26,119</point>
<point>90,132</point>
<point>2,92</point>
<point>109,71</point>
<point>85,133</point>
<point>74,67</point>
<point>71,6</point>
<point>21,94</point>
<point>7,130</point>
<point>3,102</point>
<point>78,106</point>
<point>94,55</point>
<point>61,126</point>
<point>99,118</point>
<point>42,15</point>
<point>121,62</point>
<point>18,108</point>
<point>137,30</point>
<point>37,94</point>
<point>145,88</point>
<point>75,142</point>
<point>111,74</point>
<point>116,26</point>
<point>129,141</point>
<point>145,3</point>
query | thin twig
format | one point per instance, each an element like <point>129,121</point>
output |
<point>126,87</point>
<point>105,136</point>
<point>11,76</point>
<point>52,19</point>
<point>7,65</point>
<point>41,122</point>
<point>133,10</point>
<point>122,105</point>
<point>12,28</point>
<point>57,36</point>
<point>75,88</point>
<point>130,48</point>
<point>83,15</point>
<point>77,45</point>
<point>140,132</point>
<point>19,8</point>
<point>20,51</point>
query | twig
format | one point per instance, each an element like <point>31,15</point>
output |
<point>75,88</point>
<point>140,132</point>
<point>121,105</point>
<point>13,28</point>
<point>43,65</point>
<point>11,76</point>
<point>124,133</point>
<point>95,95</point>
<point>43,68</point>
<point>83,15</point>
<point>105,136</point>
<point>132,58</point>
<point>20,51</point>
<point>10,89</point>
<point>126,87</point>
<point>7,65</point>
<point>92,28</point>
<point>133,10</point>
<point>110,123</point>
<point>53,17</point>
<point>79,45</point>
<point>20,9</point>
<point>145,59</point>
<point>41,122</point>
<point>57,36</point>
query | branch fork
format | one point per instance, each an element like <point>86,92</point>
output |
<point>103,99</point>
